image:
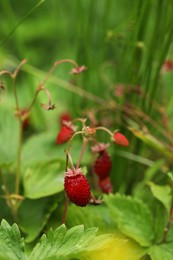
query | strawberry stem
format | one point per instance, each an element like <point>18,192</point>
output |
<point>104,129</point>
<point>73,136</point>
<point>65,210</point>
<point>56,64</point>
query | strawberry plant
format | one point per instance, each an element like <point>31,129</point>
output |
<point>86,150</point>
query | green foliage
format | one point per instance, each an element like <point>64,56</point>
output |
<point>62,243</point>
<point>33,216</point>
<point>132,217</point>
<point>11,243</point>
<point>162,193</point>
<point>161,252</point>
<point>8,139</point>
<point>44,179</point>
<point>92,216</point>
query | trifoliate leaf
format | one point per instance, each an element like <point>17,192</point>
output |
<point>161,252</point>
<point>11,243</point>
<point>44,179</point>
<point>132,217</point>
<point>162,193</point>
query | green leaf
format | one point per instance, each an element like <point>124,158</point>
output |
<point>62,244</point>
<point>9,136</point>
<point>132,217</point>
<point>44,179</point>
<point>11,243</point>
<point>38,210</point>
<point>153,169</point>
<point>96,217</point>
<point>162,193</point>
<point>114,247</point>
<point>160,216</point>
<point>45,149</point>
<point>170,175</point>
<point>161,252</point>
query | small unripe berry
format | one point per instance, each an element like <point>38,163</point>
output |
<point>120,139</point>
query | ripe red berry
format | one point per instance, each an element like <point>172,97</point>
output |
<point>64,134</point>
<point>77,187</point>
<point>102,165</point>
<point>105,185</point>
<point>120,139</point>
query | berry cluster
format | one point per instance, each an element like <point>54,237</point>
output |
<point>76,185</point>
<point>102,167</point>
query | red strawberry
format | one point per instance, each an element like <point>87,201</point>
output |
<point>105,185</point>
<point>102,165</point>
<point>26,121</point>
<point>64,117</point>
<point>64,134</point>
<point>77,187</point>
<point>120,139</point>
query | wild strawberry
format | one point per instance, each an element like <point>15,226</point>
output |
<point>106,185</point>
<point>64,117</point>
<point>120,139</point>
<point>65,133</point>
<point>77,187</point>
<point>27,119</point>
<point>102,165</point>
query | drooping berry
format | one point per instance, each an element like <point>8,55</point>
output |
<point>105,185</point>
<point>65,134</point>
<point>120,139</point>
<point>102,165</point>
<point>77,187</point>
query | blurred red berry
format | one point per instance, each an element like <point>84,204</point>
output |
<point>77,187</point>
<point>102,165</point>
<point>120,139</point>
<point>64,134</point>
<point>26,121</point>
<point>167,66</point>
<point>105,185</point>
<point>64,117</point>
<point>119,90</point>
